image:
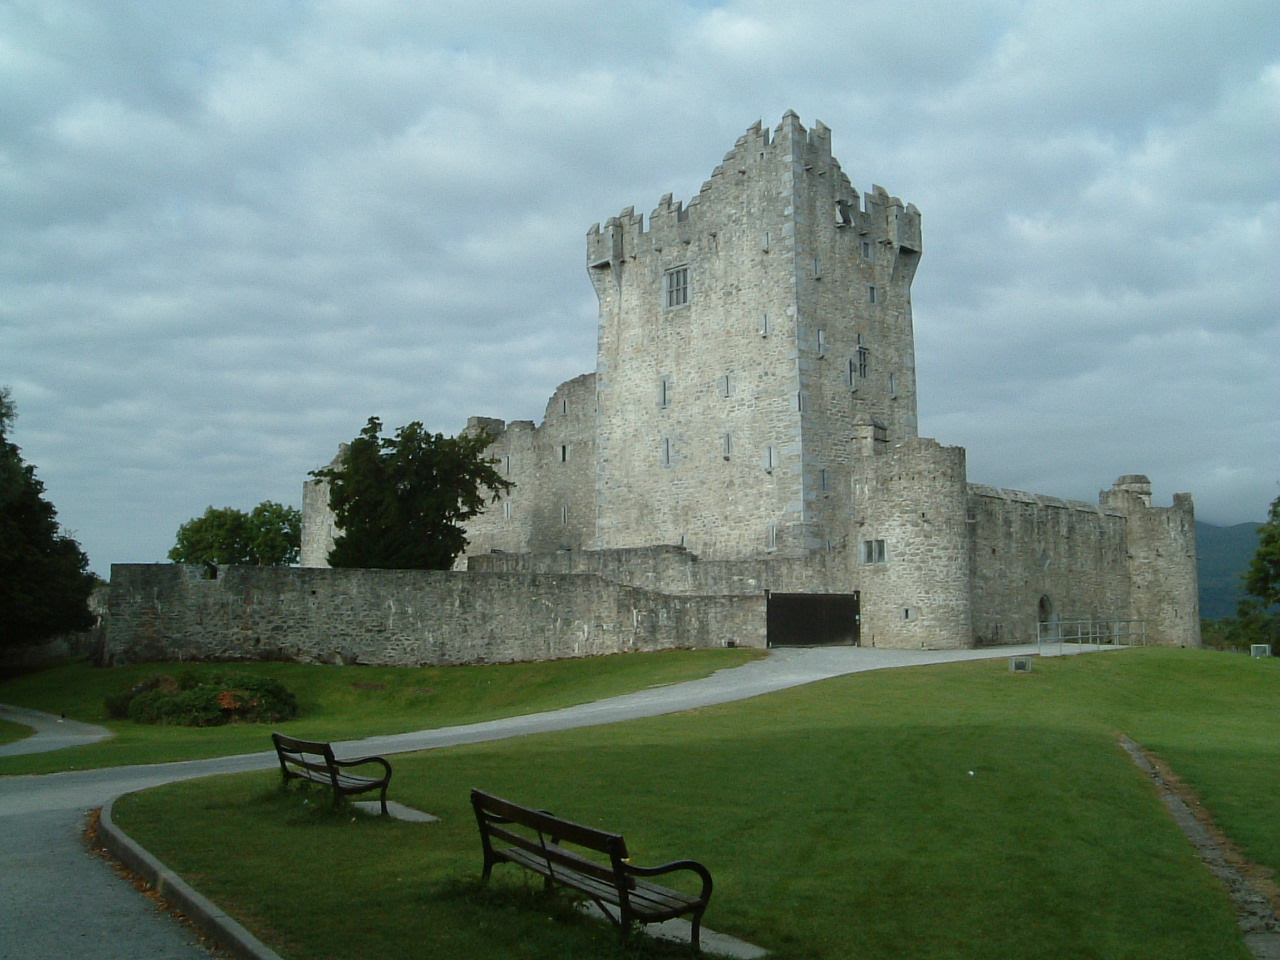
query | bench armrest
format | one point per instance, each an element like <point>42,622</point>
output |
<point>363,760</point>
<point>693,865</point>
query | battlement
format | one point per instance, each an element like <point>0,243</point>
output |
<point>806,152</point>
<point>1041,500</point>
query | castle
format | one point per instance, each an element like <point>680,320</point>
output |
<point>750,430</point>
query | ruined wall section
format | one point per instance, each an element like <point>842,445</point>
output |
<point>1164,582</point>
<point>553,467</point>
<point>909,539</point>
<point>1038,557</point>
<point>403,617</point>
<point>318,526</point>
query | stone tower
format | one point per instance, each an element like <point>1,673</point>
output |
<point>746,343</point>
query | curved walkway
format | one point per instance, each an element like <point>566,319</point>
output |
<point>59,903</point>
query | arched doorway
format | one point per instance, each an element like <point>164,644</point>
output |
<point>1048,619</point>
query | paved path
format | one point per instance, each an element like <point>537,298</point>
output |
<point>59,903</point>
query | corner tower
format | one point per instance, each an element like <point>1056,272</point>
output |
<point>743,341</point>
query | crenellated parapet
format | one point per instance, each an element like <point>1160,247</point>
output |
<point>804,153</point>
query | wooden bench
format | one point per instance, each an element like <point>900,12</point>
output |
<point>536,840</point>
<point>313,761</point>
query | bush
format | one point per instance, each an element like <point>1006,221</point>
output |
<point>1241,632</point>
<point>193,700</point>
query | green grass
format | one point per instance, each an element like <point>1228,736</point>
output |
<point>9,732</point>
<point>956,811</point>
<point>341,703</point>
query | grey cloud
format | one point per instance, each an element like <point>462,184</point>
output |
<point>235,231</point>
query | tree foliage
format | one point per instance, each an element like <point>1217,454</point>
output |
<point>399,501</point>
<point>1262,579</point>
<point>269,535</point>
<point>44,575</point>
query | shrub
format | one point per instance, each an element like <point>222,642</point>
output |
<point>209,700</point>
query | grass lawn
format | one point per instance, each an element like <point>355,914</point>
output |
<point>340,703</point>
<point>9,732</point>
<point>955,811</point>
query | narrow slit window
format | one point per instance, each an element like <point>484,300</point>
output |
<point>822,343</point>
<point>666,452</point>
<point>764,325</point>
<point>726,446</point>
<point>564,453</point>
<point>664,392</point>
<point>726,385</point>
<point>770,459</point>
<point>893,385</point>
<point>564,514</point>
<point>871,294</point>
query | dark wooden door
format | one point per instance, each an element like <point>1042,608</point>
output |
<point>813,619</point>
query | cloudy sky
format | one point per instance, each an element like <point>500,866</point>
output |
<point>232,230</point>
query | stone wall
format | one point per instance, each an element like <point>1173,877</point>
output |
<point>1037,557</point>
<point>404,617</point>
<point>1164,582</point>
<point>909,541</point>
<point>553,467</point>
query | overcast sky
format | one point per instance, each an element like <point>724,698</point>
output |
<point>232,231</point>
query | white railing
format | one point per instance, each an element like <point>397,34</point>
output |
<point>1094,633</point>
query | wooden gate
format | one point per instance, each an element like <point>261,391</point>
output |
<point>813,619</point>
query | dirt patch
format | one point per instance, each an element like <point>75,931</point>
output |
<point>1252,887</point>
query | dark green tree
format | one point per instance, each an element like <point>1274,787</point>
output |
<point>44,575</point>
<point>1262,579</point>
<point>399,501</point>
<point>269,535</point>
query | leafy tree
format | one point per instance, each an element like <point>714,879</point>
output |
<point>270,535</point>
<point>1262,579</point>
<point>399,502</point>
<point>44,575</point>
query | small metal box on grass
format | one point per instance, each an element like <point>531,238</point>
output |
<point>1020,664</point>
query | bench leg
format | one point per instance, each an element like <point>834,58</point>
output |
<point>384,801</point>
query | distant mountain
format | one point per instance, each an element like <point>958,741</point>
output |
<point>1223,554</point>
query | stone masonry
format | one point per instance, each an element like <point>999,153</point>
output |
<point>751,430</point>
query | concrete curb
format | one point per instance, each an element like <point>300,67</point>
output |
<point>212,921</point>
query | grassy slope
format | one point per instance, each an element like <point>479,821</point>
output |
<point>341,703</point>
<point>840,820</point>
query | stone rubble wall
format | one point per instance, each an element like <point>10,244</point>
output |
<point>403,617</point>
<point>1028,547</point>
